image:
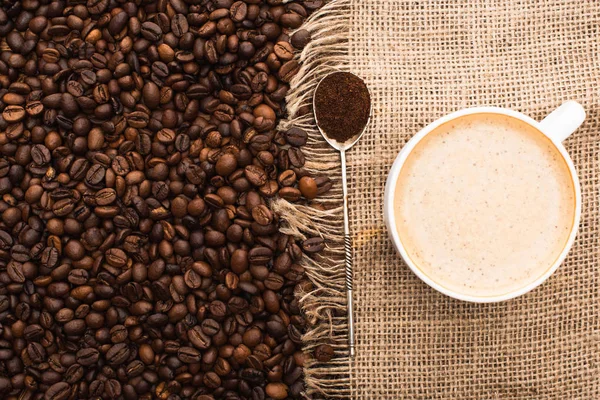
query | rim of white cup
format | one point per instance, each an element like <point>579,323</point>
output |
<point>390,189</point>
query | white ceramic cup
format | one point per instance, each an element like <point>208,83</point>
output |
<point>557,126</point>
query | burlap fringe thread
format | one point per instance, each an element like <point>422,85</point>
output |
<point>325,306</point>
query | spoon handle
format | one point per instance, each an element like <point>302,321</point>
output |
<point>348,251</point>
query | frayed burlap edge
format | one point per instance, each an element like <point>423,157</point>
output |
<point>325,305</point>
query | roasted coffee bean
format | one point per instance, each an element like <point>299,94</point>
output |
<point>33,332</point>
<point>218,309</point>
<point>112,388</point>
<point>151,95</point>
<point>274,281</point>
<point>260,255</point>
<point>87,357</point>
<point>116,257</point>
<point>277,390</point>
<point>95,175</point>
<point>313,245</point>
<point>308,187</point>
<point>290,194</point>
<point>255,175</point>
<point>301,38</point>
<point>136,368</point>
<point>199,338</point>
<point>13,113</point>
<point>117,354</point>
<point>151,31</point>
<point>262,215</point>
<point>74,373</point>
<point>105,197</point>
<point>192,279</point>
<point>118,334</point>
<point>40,154</point>
<point>287,178</point>
<point>58,391</point>
<point>179,25</point>
<point>188,355</point>
<point>323,353</point>
<point>324,184</point>
<point>165,136</point>
<point>252,375</point>
<point>15,272</point>
<point>239,11</point>
<point>296,137</point>
<point>210,327</point>
<point>289,70</point>
<point>182,143</point>
<point>296,157</point>
<point>117,23</point>
<point>312,5</point>
<point>284,51</point>
<point>35,353</point>
<point>34,108</point>
<point>212,380</point>
<point>97,6</point>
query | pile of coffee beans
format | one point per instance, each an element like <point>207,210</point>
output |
<point>138,150</point>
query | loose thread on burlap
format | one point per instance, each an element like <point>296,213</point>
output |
<point>325,305</point>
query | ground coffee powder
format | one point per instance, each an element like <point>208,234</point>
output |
<point>342,105</point>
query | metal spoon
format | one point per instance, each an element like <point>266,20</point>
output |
<point>342,148</point>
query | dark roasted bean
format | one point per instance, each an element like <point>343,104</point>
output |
<point>313,245</point>
<point>58,391</point>
<point>117,354</point>
<point>323,352</point>
<point>188,355</point>
<point>301,38</point>
<point>87,357</point>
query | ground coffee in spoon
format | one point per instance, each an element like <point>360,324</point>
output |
<point>342,105</point>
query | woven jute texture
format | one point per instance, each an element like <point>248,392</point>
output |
<point>422,60</point>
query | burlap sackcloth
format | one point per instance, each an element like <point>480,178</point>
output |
<point>422,60</point>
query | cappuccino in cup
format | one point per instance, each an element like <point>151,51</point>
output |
<point>484,204</point>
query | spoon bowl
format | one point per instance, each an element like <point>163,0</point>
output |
<point>348,144</point>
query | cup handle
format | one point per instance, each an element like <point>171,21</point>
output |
<point>563,121</point>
